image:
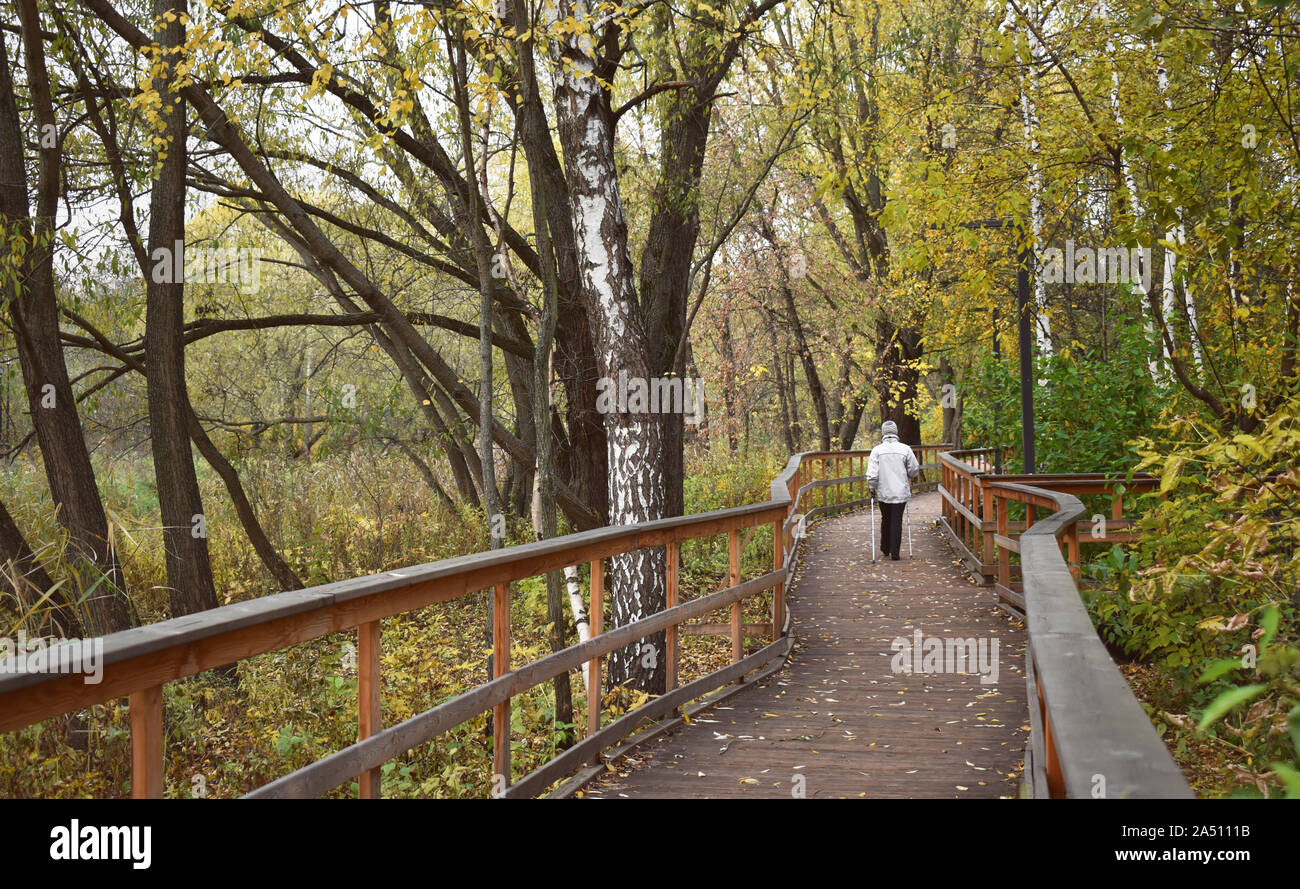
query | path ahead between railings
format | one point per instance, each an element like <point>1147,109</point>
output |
<point>837,720</point>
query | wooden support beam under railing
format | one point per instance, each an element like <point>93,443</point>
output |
<point>733,579</point>
<point>670,635</point>
<point>597,618</point>
<point>724,629</point>
<point>500,667</point>
<point>369,687</point>
<point>147,743</point>
<point>778,592</point>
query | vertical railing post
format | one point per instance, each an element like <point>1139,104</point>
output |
<point>1072,550</point>
<point>146,709</point>
<point>1004,529</point>
<point>597,618</point>
<point>369,686</point>
<point>670,635</point>
<point>778,592</point>
<point>972,503</point>
<point>943,483</point>
<point>1055,779</point>
<point>986,518</point>
<point>501,666</point>
<point>961,498</point>
<point>733,579</point>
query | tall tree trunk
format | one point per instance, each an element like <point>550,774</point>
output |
<point>35,317</point>
<point>787,430</point>
<point>638,481</point>
<point>482,259</point>
<point>898,377</point>
<point>850,401</point>
<point>728,373</point>
<point>583,459</point>
<point>1177,235</point>
<point>950,407</point>
<point>1129,183</point>
<point>1029,119</point>
<point>848,430</point>
<point>544,519</point>
<point>185,536</point>
<point>792,396</point>
<point>815,389</point>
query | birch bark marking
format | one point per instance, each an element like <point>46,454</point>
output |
<point>1176,235</point>
<point>1130,182</point>
<point>1029,115</point>
<point>635,448</point>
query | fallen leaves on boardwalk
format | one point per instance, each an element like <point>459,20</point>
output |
<point>837,721</point>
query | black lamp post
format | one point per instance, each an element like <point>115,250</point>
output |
<point>1026,362</point>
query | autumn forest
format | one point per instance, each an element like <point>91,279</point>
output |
<point>293,293</point>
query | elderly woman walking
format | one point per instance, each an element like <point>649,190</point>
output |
<point>890,469</point>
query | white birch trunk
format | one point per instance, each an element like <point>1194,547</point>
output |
<point>580,618</point>
<point>1176,235</point>
<point>635,448</point>
<point>1029,115</point>
<point>1130,185</point>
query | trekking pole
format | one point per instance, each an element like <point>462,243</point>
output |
<point>907,514</point>
<point>873,529</point>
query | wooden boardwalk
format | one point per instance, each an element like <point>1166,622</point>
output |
<point>837,721</point>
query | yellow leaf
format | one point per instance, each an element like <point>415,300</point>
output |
<point>1169,477</point>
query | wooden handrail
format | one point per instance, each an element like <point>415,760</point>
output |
<point>967,511</point>
<point>1089,735</point>
<point>144,657</point>
<point>337,768</point>
<point>136,663</point>
<point>1093,737</point>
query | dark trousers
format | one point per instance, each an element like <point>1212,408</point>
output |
<point>891,528</point>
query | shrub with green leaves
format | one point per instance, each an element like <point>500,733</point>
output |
<point>1091,405</point>
<point>1219,593</point>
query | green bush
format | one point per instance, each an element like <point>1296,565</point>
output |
<point>1089,409</point>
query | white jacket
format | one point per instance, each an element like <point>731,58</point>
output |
<point>890,469</point>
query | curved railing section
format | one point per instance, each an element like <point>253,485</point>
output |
<point>1089,736</point>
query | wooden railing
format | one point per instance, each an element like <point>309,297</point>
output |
<point>1088,731</point>
<point>969,519</point>
<point>1089,736</point>
<point>138,662</point>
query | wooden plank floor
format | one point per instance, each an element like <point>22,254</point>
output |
<point>837,721</point>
